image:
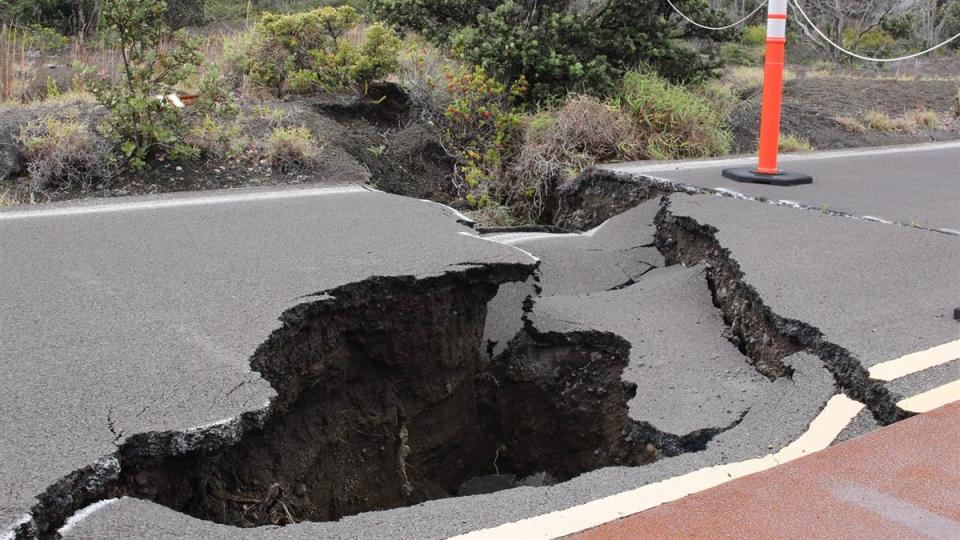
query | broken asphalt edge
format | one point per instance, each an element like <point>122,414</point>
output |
<point>93,482</point>
<point>572,194</point>
<point>683,240</point>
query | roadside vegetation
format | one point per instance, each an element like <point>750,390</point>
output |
<point>498,102</point>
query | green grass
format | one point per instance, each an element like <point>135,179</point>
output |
<point>793,143</point>
<point>675,121</point>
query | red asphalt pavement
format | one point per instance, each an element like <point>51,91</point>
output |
<point>902,481</point>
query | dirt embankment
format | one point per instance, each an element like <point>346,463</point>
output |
<point>378,138</point>
<point>811,105</point>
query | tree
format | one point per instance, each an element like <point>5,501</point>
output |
<point>561,46</point>
<point>835,17</point>
<point>139,122</point>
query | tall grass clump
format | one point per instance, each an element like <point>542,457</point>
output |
<point>13,64</point>
<point>558,144</point>
<point>65,153</point>
<point>673,121</point>
<point>879,121</point>
<point>924,118</point>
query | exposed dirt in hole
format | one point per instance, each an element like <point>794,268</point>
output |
<point>763,336</point>
<point>597,195</point>
<point>681,241</point>
<point>384,400</point>
<point>378,407</point>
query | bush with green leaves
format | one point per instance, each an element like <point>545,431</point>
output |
<point>673,121</point>
<point>138,120</point>
<point>950,15</point>
<point>754,34</point>
<point>481,131</point>
<point>560,46</point>
<point>322,49</point>
<point>873,41</point>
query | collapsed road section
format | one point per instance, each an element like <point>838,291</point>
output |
<point>128,328</point>
<point>434,369</point>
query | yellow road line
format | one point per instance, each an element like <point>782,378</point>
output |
<point>932,399</point>
<point>918,361</point>
<point>837,414</point>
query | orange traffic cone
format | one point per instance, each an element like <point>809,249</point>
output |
<point>767,171</point>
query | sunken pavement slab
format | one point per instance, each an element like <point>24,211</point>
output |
<point>728,324</point>
<point>137,321</point>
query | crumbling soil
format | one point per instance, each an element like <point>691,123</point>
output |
<point>377,138</point>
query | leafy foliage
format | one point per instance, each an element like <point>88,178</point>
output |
<point>558,46</point>
<point>481,131</point>
<point>311,51</point>
<point>138,121</point>
<point>754,34</point>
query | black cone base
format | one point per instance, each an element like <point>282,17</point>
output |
<point>780,179</point>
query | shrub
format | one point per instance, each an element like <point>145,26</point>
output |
<point>873,41</point>
<point>739,54</point>
<point>794,143</point>
<point>956,104</point>
<point>137,121</point>
<point>559,46</point>
<point>291,149</point>
<point>310,51</point>
<point>65,154</point>
<point>481,130</point>
<point>950,14</point>
<point>216,139</point>
<point>850,124</point>
<point>924,118</point>
<point>557,145</point>
<point>423,71</point>
<point>672,121</point>
<point>754,34</point>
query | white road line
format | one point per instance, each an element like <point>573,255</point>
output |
<point>488,239</point>
<point>932,399</point>
<point>641,167</point>
<point>824,429</point>
<point>173,202</point>
<point>837,414</point>
<point>513,238</point>
<point>915,362</point>
<point>82,514</point>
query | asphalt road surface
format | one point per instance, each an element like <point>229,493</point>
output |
<point>914,185</point>
<point>141,315</point>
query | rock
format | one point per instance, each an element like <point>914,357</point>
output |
<point>11,158</point>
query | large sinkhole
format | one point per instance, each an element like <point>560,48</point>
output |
<point>385,400</point>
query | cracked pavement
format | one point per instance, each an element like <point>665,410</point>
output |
<point>130,321</point>
<point>118,322</point>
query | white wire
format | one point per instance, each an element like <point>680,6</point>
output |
<point>727,27</point>
<point>859,56</point>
